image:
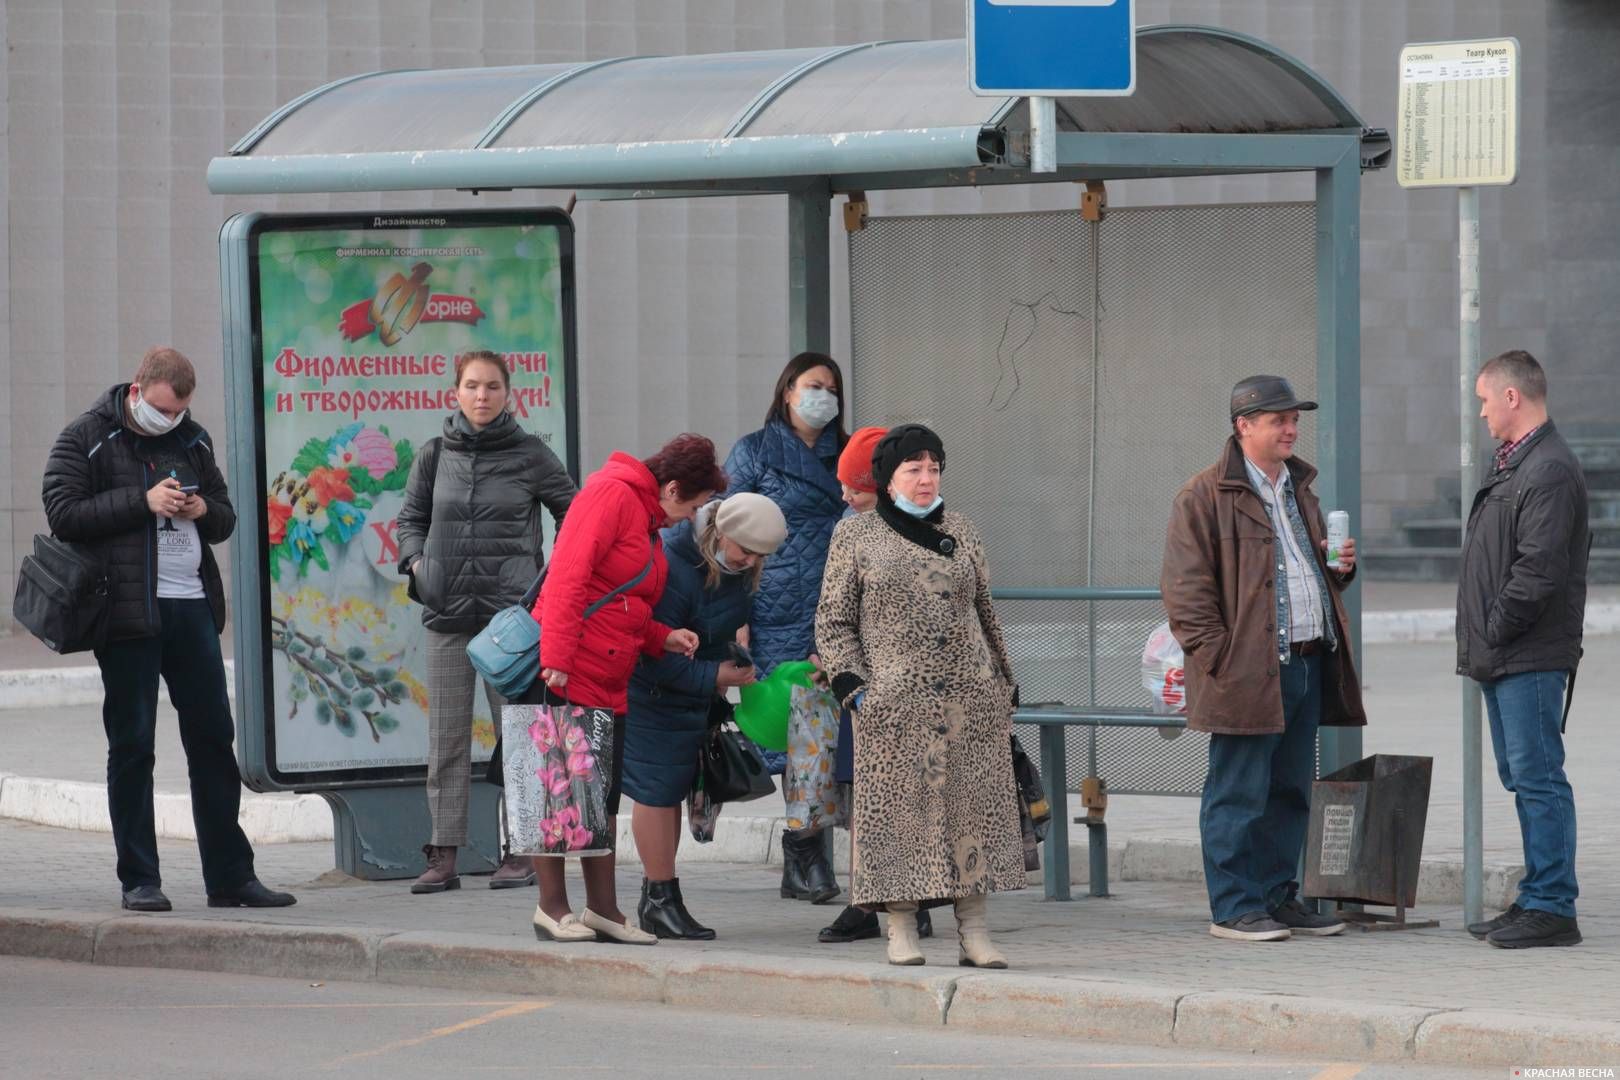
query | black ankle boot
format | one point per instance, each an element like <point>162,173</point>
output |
<point>663,914</point>
<point>925,923</point>
<point>807,872</point>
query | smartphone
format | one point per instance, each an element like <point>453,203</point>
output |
<point>740,655</point>
<point>184,473</point>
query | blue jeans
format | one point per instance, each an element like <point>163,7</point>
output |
<point>1526,711</point>
<point>1257,802</point>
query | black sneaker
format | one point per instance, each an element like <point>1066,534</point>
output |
<point>1483,930</point>
<point>1255,926</point>
<point>1294,916</point>
<point>1534,929</point>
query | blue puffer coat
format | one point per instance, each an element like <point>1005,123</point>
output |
<point>774,462</point>
<point>669,696</point>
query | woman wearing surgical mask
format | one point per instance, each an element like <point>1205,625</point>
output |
<point>793,461</point>
<point>715,564</point>
<point>911,642</point>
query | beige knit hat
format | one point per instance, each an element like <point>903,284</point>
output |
<point>751,521</point>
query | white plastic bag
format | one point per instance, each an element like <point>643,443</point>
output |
<point>1164,672</point>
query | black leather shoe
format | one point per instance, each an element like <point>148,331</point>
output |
<point>1536,929</point>
<point>925,923</point>
<point>663,913</point>
<point>852,924</point>
<point>252,893</point>
<point>146,898</point>
<point>1483,930</point>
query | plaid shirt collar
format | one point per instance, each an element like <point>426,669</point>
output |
<point>1505,451</point>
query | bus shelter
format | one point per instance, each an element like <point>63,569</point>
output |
<point>1080,350</point>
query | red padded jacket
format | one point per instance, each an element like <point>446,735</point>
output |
<point>610,532</point>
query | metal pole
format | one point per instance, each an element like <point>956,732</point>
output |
<point>1468,372</point>
<point>1042,134</point>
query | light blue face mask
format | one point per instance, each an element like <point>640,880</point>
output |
<point>903,503</point>
<point>816,407</point>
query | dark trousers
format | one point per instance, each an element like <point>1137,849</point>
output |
<point>1257,802</point>
<point>186,654</point>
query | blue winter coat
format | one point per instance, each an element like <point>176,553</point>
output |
<point>669,696</point>
<point>774,462</point>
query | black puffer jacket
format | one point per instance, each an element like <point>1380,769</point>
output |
<point>472,514</point>
<point>96,481</point>
<point>1521,591</point>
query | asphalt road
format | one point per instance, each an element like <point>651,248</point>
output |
<point>71,1021</point>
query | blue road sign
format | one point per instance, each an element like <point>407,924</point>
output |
<point>1052,48</point>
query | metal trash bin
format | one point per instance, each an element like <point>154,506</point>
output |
<point>1366,836</point>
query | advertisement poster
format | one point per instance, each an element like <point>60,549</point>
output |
<point>358,324</point>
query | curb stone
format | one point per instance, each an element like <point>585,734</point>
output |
<point>1029,1004</point>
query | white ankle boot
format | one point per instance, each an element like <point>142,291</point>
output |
<point>974,930</point>
<point>902,930</point>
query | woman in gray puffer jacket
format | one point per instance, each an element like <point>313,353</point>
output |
<point>470,539</point>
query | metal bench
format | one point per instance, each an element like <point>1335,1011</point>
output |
<point>1137,770</point>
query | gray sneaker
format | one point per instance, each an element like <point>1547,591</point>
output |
<point>1255,926</point>
<point>1294,916</point>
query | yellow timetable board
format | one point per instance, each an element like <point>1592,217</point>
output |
<point>1458,123</point>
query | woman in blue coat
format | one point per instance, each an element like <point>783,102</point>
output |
<point>715,564</point>
<point>793,461</point>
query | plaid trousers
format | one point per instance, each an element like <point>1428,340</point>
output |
<point>451,681</point>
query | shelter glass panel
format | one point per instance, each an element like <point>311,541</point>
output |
<point>1079,373</point>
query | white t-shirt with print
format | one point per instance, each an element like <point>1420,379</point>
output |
<point>179,559</point>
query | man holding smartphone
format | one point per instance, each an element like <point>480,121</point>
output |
<point>134,480</point>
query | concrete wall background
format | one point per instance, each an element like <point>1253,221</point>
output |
<point>111,111</point>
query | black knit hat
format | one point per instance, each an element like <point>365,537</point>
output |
<point>900,443</point>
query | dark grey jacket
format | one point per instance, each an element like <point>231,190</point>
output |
<point>472,514</point>
<point>1521,590</point>
<point>96,480</point>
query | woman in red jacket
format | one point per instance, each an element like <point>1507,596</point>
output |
<point>609,537</point>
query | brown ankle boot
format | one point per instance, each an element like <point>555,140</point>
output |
<point>440,873</point>
<point>514,871</point>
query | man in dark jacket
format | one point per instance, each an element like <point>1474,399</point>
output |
<point>1521,605</point>
<point>134,480</point>
<point>1257,609</point>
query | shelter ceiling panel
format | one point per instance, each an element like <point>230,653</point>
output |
<point>652,99</point>
<point>894,86</point>
<point>1195,80</point>
<point>404,110</point>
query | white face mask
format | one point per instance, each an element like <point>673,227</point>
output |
<point>150,419</point>
<point>816,407</point>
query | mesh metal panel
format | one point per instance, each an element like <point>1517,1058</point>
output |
<point>981,326</point>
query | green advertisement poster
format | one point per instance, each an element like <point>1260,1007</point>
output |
<point>358,325</point>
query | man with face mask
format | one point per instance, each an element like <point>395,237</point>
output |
<point>134,480</point>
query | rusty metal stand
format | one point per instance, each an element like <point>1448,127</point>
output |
<point>1367,920</point>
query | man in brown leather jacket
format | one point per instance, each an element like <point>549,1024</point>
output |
<point>1257,609</point>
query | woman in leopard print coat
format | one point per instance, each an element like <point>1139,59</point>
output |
<point>906,630</point>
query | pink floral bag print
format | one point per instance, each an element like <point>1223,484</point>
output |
<point>558,768</point>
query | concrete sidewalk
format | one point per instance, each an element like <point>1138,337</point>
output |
<point>1136,968</point>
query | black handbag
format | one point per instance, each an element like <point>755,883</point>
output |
<point>63,595</point>
<point>731,769</point>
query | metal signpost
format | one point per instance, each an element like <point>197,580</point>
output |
<point>1459,127</point>
<point>1046,49</point>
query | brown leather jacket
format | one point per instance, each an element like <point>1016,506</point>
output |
<point>1219,585</point>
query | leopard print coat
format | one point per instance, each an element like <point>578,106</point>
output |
<point>935,810</point>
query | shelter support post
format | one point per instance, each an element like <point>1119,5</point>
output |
<point>1338,382</point>
<point>1054,775</point>
<point>378,833</point>
<point>1473,750</point>
<point>809,270</point>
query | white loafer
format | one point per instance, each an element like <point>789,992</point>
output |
<point>567,928</point>
<point>623,933</point>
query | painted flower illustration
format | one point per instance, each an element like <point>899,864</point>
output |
<point>346,518</point>
<point>543,730</point>
<point>277,515</point>
<point>329,485</point>
<point>555,778</point>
